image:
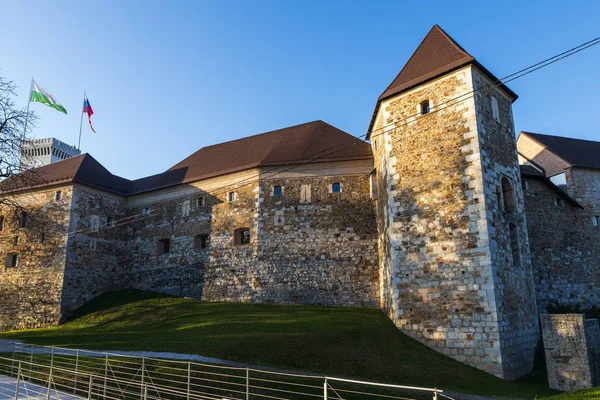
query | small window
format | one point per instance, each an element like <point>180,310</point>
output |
<point>1,222</point>
<point>23,219</point>
<point>163,247</point>
<point>508,196</point>
<point>373,185</point>
<point>596,220</point>
<point>200,201</point>
<point>231,196</point>
<point>241,236</point>
<point>185,208</point>
<point>514,244</point>
<point>201,242</point>
<point>559,202</point>
<point>58,195</point>
<point>424,107</point>
<point>110,221</point>
<point>93,244</point>
<point>277,191</point>
<point>146,212</point>
<point>495,110</point>
<point>94,223</point>
<point>42,238</point>
<point>16,241</point>
<point>336,187</point>
<point>305,194</point>
<point>12,260</point>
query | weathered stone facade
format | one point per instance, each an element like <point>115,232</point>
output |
<point>572,346</point>
<point>446,259</point>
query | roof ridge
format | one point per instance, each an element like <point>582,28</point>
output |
<point>561,137</point>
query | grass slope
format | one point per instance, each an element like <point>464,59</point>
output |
<point>351,342</point>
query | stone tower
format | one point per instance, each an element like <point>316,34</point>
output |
<point>40,152</point>
<point>454,254</point>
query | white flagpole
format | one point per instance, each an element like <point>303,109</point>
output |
<point>81,123</point>
<point>28,103</point>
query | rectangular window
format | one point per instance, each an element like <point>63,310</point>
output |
<point>58,195</point>
<point>42,238</point>
<point>12,260</point>
<point>596,220</point>
<point>185,208</point>
<point>560,202</point>
<point>163,246</point>
<point>1,222</point>
<point>241,236</point>
<point>231,196</point>
<point>514,244</point>
<point>110,221</point>
<point>16,241</point>
<point>277,191</point>
<point>201,242</point>
<point>146,211</point>
<point>23,220</point>
<point>200,201</point>
<point>336,187</point>
<point>373,184</point>
<point>305,194</point>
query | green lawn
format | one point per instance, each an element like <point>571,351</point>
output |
<point>589,394</point>
<point>349,342</point>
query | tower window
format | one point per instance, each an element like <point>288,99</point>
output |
<point>201,242</point>
<point>163,246</point>
<point>146,211</point>
<point>16,241</point>
<point>200,201</point>
<point>1,222</point>
<point>94,223</point>
<point>12,260</point>
<point>241,236</point>
<point>596,220</point>
<point>42,238</point>
<point>508,195</point>
<point>58,195</point>
<point>424,107</point>
<point>495,110</point>
<point>336,187</point>
<point>23,219</point>
<point>514,244</point>
<point>559,202</point>
<point>110,221</point>
<point>277,191</point>
<point>231,196</point>
<point>185,209</point>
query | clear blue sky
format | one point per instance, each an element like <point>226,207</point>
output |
<point>168,77</point>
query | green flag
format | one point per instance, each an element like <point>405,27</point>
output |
<point>41,96</point>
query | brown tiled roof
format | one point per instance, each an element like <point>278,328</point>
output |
<point>577,152</point>
<point>438,54</point>
<point>311,142</point>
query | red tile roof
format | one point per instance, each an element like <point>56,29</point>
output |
<point>312,142</point>
<point>438,54</point>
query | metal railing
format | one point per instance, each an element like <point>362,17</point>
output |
<point>52,372</point>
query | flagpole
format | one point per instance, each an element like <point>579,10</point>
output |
<point>81,124</point>
<point>28,103</point>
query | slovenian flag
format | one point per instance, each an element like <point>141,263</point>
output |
<point>87,108</point>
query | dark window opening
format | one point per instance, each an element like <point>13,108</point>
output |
<point>201,242</point>
<point>146,212</point>
<point>110,221</point>
<point>231,196</point>
<point>336,187</point>
<point>277,191</point>
<point>514,244</point>
<point>163,246</point>
<point>241,236</point>
<point>1,222</point>
<point>560,202</point>
<point>425,107</point>
<point>23,219</point>
<point>42,238</point>
<point>508,196</point>
<point>12,260</point>
<point>200,201</point>
<point>16,241</point>
<point>58,195</point>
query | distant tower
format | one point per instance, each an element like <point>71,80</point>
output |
<point>455,266</point>
<point>39,152</point>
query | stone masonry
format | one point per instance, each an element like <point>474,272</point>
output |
<point>572,345</point>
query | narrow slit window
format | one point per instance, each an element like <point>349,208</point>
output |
<point>1,222</point>
<point>42,238</point>
<point>58,195</point>
<point>12,260</point>
<point>596,220</point>
<point>23,220</point>
<point>514,244</point>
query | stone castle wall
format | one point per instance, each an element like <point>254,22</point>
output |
<point>564,249</point>
<point>30,294</point>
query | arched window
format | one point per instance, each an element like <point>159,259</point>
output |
<point>241,236</point>
<point>94,223</point>
<point>424,107</point>
<point>508,195</point>
<point>185,209</point>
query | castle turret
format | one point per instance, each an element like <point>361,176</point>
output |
<point>454,256</point>
<point>39,152</point>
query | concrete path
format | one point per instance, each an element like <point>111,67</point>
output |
<point>29,391</point>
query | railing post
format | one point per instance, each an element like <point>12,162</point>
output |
<point>145,392</point>
<point>90,387</point>
<point>18,381</point>
<point>325,389</point>
<point>50,379</point>
<point>76,371</point>
<point>143,377</point>
<point>189,380</point>
<point>435,396</point>
<point>247,383</point>
<point>105,375</point>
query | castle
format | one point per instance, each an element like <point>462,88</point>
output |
<point>459,232</point>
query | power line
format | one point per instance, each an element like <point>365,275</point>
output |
<point>458,99</point>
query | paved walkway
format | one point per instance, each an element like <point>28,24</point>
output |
<point>29,391</point>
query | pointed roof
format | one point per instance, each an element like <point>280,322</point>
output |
<point>437,55</point>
